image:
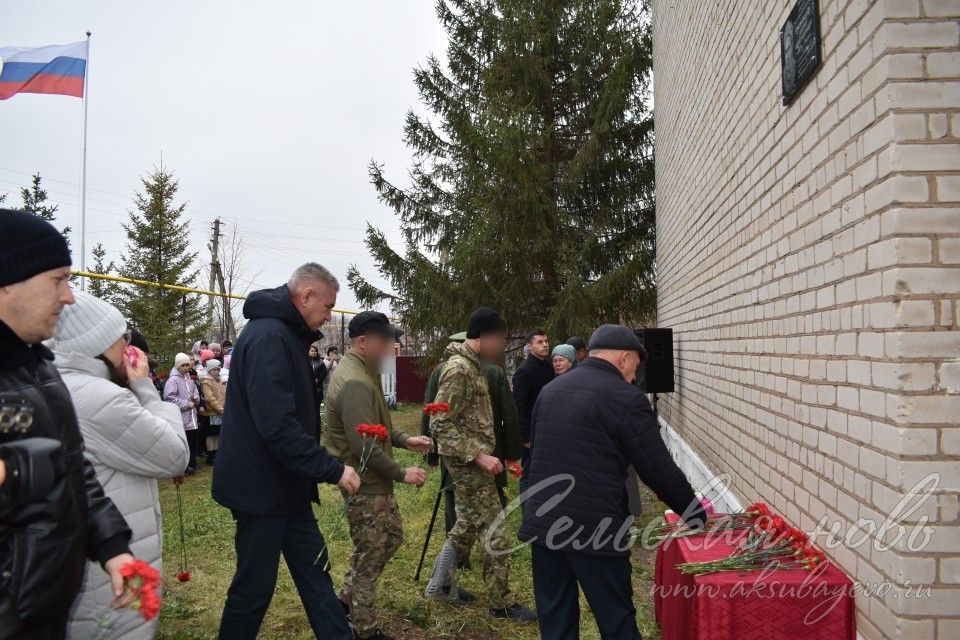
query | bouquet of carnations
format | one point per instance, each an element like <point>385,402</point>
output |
<point>371,434</point>
<point>770,541</point>
<point>143,581</point>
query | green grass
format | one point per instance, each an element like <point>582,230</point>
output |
<point>192,610</point>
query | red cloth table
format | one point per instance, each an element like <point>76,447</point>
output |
<point>787,603</point>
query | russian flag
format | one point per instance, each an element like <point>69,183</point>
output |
<point>58,68</point>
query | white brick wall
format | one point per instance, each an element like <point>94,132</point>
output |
<point>809,264</point>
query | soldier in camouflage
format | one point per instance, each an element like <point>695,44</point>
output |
<point>355,397</point>
<point>466,441</point>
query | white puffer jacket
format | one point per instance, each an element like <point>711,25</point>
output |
<point>133,438</point>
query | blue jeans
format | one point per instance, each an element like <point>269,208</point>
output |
<point>605,581</point>
<point>259,543</point>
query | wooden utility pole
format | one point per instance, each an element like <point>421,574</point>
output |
<point>227,316</point>
<point>214,247</point>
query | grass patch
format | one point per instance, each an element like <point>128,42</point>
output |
<point>192,610</point>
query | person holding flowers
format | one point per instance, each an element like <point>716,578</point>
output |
<point>360,433</point>
<point>466,443</point>
<point>54,515</point>
<point>133,438</point>
<point>506,430</point>
<point>589,426</point>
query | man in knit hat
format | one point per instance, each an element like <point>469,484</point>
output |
<point>466,442</point>
<point>506,427</point>
<point>42,468</point>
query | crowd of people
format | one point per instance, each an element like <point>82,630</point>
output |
<point>88,427</point>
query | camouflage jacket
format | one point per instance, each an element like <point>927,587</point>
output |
<point>467,428</point>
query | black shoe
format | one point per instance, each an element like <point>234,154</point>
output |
<point>463,596</point>
<point>378,635</point>
<point>191,471</point>
<point>516,612</point>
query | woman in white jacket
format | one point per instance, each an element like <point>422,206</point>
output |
<point>132,437</point>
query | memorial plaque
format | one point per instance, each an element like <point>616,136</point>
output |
<point>799,47</point>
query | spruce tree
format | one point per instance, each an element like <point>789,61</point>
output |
<point>532,183</point>
<point>103,289</point>
<point>157,250</point>
<point>35,201</point>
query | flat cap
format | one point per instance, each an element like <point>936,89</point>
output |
<point>459,337</point>
<point>373,322</point>
<point>616,337</point>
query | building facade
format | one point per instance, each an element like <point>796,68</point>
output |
<point>809,265</point>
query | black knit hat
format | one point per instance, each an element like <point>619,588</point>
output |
<point>139,341</point>
<point>29,245</point>
<point>485,320</point>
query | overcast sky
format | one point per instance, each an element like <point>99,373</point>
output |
<point>268,113</point>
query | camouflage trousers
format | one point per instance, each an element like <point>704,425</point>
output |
<point>477,506</point>
<point>376,533</point>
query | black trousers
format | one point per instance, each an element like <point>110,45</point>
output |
<point>259,543</point>
<point>605,582</point>
<point>193,437</point>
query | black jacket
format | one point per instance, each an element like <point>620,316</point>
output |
<point>44,546</point>
<point>269,459</point>
<point>531,376</point>
<point>319,377</point>
<point>591,424</point>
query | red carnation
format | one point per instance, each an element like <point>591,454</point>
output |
<point>184,576</point>
<point>514,468</point>
<point>434,408</point>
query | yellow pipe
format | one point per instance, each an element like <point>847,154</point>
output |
<point>173,287</point>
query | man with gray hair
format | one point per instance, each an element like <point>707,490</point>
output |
<point>270,460</point>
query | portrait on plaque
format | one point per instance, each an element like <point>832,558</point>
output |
<point>799,47</point>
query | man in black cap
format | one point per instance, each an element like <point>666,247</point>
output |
<point>355,397</point>
<point>46,532</point>
<point>589,425</point>
<point>466,442</point>
<point>580,345</point>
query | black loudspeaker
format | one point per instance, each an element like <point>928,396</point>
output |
<point>655,374</point>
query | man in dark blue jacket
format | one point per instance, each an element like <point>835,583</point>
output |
<point>530,377</point>
<point>270,459</point>
<point>589,426</point>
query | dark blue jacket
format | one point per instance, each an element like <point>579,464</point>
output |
<point>531,376</point>
<point>591,424</point>
<point>269,459</point>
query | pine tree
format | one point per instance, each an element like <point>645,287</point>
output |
<point>35,201</point>
<point>103,289</point>
<point>157,250</point>
<point>533,184</point>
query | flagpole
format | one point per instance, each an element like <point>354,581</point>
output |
<point>83,179</point>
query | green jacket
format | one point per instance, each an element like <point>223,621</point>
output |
<point>355,396</point>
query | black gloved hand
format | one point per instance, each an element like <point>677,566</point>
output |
<point>32,466</point>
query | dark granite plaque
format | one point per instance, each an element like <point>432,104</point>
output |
<point>799,47</point>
